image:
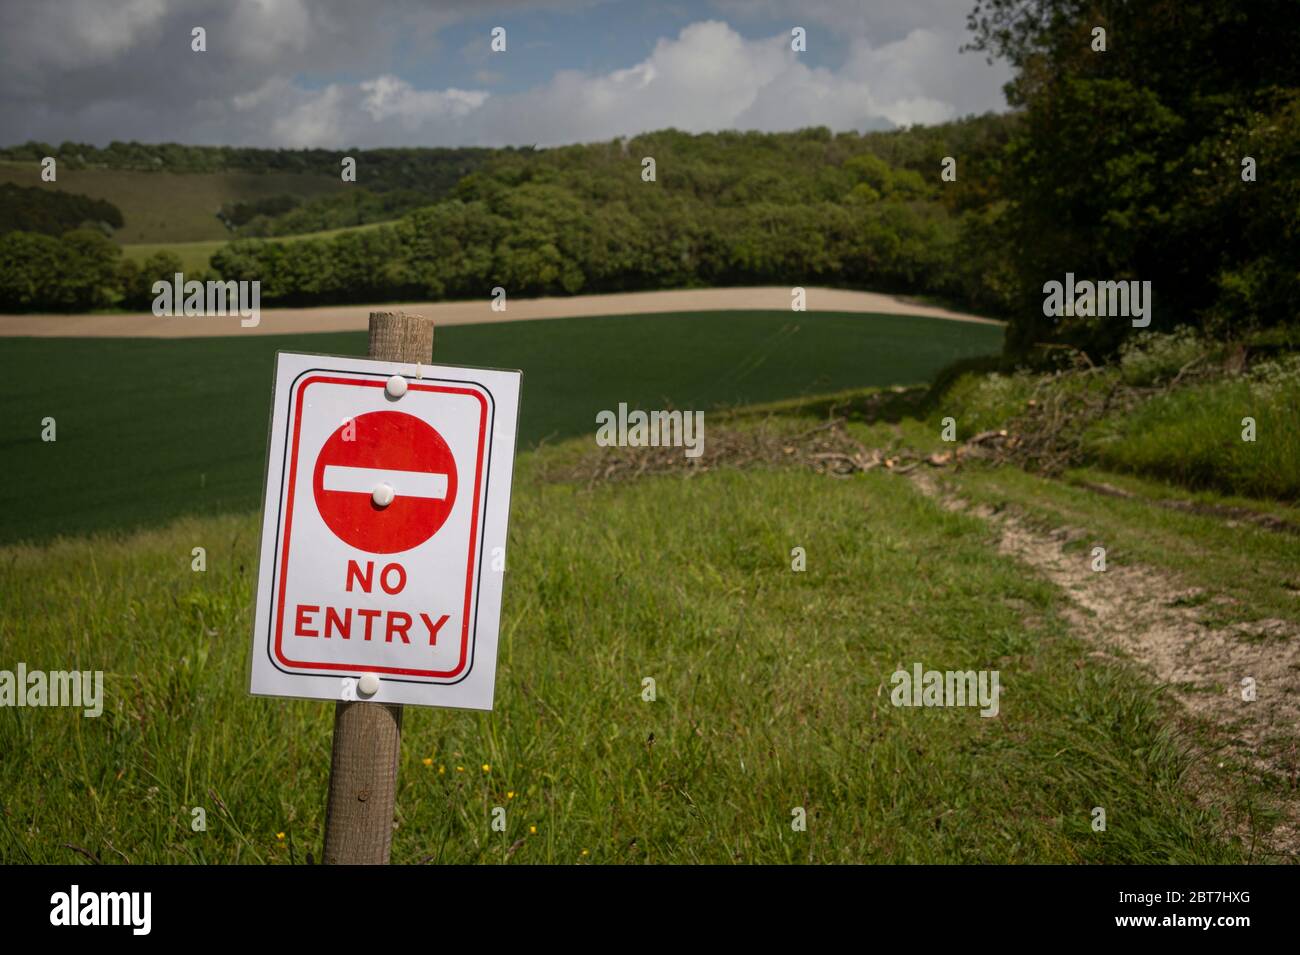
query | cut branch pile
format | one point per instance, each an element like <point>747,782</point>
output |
<point>1048,437</point>
<point>826,449</point>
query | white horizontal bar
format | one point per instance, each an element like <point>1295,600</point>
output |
<point>405,483</point>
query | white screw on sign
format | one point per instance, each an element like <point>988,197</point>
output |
<point>382,495</point>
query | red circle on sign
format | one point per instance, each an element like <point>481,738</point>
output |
<point>385,447</point>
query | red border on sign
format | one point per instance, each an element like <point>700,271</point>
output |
<point>288,525</point>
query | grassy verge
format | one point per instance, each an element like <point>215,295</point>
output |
<point>772,693</point>
<point>1172,407</point>
<point>1195,436</point>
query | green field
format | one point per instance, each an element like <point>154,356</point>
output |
<point>166,208</point>
<point>149,429</point>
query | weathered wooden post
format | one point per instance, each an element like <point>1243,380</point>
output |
<point>368,736</point>
<point>382,559</point>
<point>363,783</point>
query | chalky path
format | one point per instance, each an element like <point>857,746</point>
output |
<point>348,318</point>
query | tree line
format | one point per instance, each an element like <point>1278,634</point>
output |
<point>33,209</point>
<point>1165,153</point>
<point>425,168</point>
<point>724,209</point>
<point>729,208</point>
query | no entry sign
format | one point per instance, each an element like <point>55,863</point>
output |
<point>384,531</point>
<point>390,447</point>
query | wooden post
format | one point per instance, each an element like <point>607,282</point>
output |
<point>368,736</point>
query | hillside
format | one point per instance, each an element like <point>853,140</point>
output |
<point>858,210</point>
<point>166,207</point>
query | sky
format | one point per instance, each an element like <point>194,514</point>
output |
<point>368,73</point>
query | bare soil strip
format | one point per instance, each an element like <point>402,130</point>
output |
<point>354,318</point>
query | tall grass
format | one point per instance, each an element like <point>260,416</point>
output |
<point>1194,435</point>
<point>772,688</point>
<point>1191,431</point>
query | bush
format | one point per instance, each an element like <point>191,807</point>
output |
<point>1154,358</point>
<point>982,402</point>
<point>51,211</point>
<point>29,266</point>
<point>136,281</point>
<point>41,273</point>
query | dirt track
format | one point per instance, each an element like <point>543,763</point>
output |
<point>349,318</point>
<point>1139,612</point>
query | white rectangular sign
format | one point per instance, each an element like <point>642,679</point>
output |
<point>384,531</point>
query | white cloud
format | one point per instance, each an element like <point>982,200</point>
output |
<point>877,21</point>
<point>313,121</point>
<point>388,96</point>
<point>254,85</point>
<point>708,77</point>
<point>702,79</point>
<point>924,67</point>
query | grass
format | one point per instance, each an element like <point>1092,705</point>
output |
<point>165,207</point>
<point>1257,568</point>
<point>1195,436</point>
<point>772,693</point>
<point>1206,537</point>
<point>772,687</point>
<point>195,256</point>
<point>150,429</point>
<point>1193,433</point>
